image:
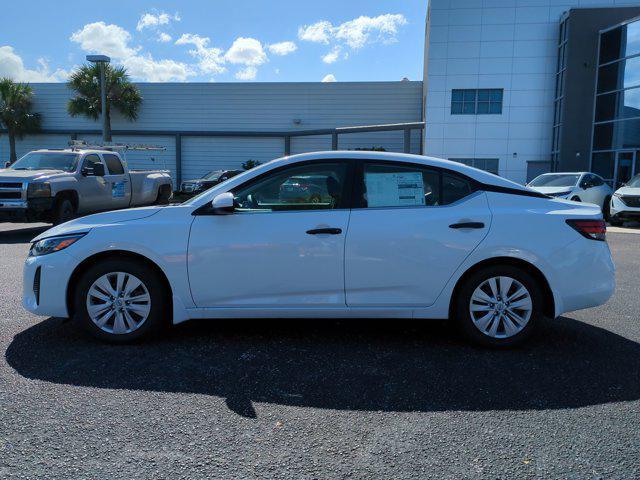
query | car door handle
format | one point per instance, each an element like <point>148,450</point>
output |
<point>467,225</point>
<point>327,231</point>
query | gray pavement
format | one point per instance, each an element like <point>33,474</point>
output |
<point>320,399</point>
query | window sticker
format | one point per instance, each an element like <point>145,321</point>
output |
<point>394,189</point>
<point>117,190</point>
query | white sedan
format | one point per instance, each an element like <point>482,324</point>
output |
<point>391,236</point>
<point>577,186</point>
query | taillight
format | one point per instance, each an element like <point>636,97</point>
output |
<point>592,229</point>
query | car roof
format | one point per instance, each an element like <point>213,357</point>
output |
<point>474,173</point>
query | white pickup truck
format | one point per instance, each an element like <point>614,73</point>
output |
<point>57,185</point>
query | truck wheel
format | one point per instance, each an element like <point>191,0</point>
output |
<point>63,211</point>
<point>164,196</point>
<point>606,209</point>
<point>120,300</point>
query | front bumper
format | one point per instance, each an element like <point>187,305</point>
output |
<point>50,297</point>
<point>621,210</point>
<point>25,210</point>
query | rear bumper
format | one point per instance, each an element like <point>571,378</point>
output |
<point>55,271</point>
<point>584,274</point>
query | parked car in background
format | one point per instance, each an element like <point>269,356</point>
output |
<point>625,203</point>
<point>57,185</point>
<point>403,236</point>
<point>208,180</point>
<point>577,186</point>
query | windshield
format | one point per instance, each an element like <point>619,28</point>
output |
<point>559,180</point>
<point>212,175</point>
<point>64,161</point>
<point>634,182</point>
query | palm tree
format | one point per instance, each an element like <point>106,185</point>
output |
<point>15,112</point>
<point>122,95</point>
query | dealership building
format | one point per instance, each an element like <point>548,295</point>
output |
<point>515,87</point>
<point>521,87</point>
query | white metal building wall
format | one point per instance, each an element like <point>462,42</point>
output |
<point>175,107</point>
<point>509,44</point>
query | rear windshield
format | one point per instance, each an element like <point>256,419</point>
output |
<point>561,180</point>
<point>64,161</point>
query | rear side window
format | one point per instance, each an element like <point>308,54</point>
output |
<point>454,188</point>
<point>388,185</point>
<point>113,164</point>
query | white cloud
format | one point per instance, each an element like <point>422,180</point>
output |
<point>12,66</point>
<point>355,33</point>
<point>152,20</point>
<point>246,51</point>
<point>98,37</point>
<point>332,56</point>
<point>164,37</point>
<point>210,59</point>
<point>283,48</point>
<point>248,73</point>
<point>145,67</point>
<point>114,41</point>
<point>329,78</point>
<point>319,32</point>
<point>362,30</point>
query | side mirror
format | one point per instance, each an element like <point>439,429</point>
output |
<point>7,164</point>
<point>223,204</point>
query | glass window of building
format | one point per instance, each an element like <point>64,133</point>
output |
<point>616,123</point>
<point>488,164</point>
<point>484,101</point>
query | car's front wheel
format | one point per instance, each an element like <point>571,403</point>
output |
<point>499,306</point>
<point>120,300</point>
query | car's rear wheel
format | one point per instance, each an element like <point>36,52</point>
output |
<point>499,306</point>
<point>120,300</point>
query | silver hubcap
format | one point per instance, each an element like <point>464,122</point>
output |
<point>118,303</point>
<point>500,307</point>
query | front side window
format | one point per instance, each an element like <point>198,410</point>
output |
<point>90,161</point>
<point>386,185</point>
<point>113,164</point>
<point>316,186</point>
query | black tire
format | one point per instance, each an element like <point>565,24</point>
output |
<point>576,199</point>
<point>606,209</point>
<point>462,315</point>
<point>149,278</point>
<point>616,222</point>
<point>63,211</point>
<point>164,196</point>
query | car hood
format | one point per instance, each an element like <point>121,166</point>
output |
<point>628,191</point>
<point>552,190</point>
<point>7,174</point>
<point>84,224</point>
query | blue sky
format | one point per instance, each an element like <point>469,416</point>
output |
<point>218,40</point>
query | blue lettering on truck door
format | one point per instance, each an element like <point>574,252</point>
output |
<point>117,190</point>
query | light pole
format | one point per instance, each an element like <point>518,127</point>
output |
<point>102,60</point>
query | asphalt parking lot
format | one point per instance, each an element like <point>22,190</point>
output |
<point>320,399</point>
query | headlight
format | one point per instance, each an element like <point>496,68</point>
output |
<point>53,244</point>
<point>560,194</point>
<point>616,194</point>
<point>35,190</point>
